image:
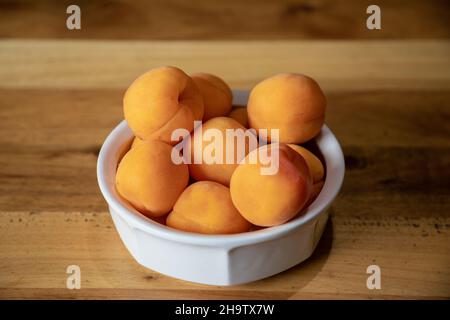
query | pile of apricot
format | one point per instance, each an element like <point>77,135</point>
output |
<point>220,198</point>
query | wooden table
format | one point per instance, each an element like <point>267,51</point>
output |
<point>389,105</point>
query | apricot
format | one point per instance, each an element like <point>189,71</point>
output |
<point>222,170</point>
<point>317,187</point>
<point>216,95</point>
<point>292,103</point>
<point>136,141</point>
<point>314,164</point>
<point>160,101</point>
<point>240,115</point>
<point>206,207</point>
<point>270,200</point>
<point>148,179</point>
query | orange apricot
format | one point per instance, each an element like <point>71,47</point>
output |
<point>292,103</point>
<point>317,187</point>
<point>240,115</point>
<point>136,141</point>
<point>206,207</point>
<point>160,101</point>
<point>216,95</point>
<point>314,164</point>
<point>270,200</point>
<point>221,170</point>
<point>148,179</point>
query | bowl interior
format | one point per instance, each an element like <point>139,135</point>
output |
<point>118,142</point>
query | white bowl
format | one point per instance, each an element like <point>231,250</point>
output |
<point>218,259</point>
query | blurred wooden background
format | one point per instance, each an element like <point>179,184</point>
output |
<point>225,19</point>
<point>389,105</point>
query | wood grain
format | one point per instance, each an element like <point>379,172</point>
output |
<point>389,108</point>
<point>411,252</point>
<point>225,19</point>
<point>337,65</point>
<point>384,150</point>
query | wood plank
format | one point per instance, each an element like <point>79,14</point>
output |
<point>379,181</point>
<point>225,19</point>
<point>49,160</point>
<point>36,248</point>
<point>81,119</point>
<point>337,65</point>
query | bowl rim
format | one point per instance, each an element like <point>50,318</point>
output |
<point>121,135</point>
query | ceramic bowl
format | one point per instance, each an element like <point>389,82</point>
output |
<point>218,259</point>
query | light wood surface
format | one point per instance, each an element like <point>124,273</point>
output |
<point>337,65</point>
<point>388,106</point>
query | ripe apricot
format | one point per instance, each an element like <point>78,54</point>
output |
<point>317,187</point>
<point>136,141</point>
<point>270,200</point>
<point>149,180</point>
<point>292,103</point>
<point>240,115</point>
<point>200,143</point>
<point>206,207</point>
<point>314,164</point>
<point>216,95</point>
<point>160,101</point>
